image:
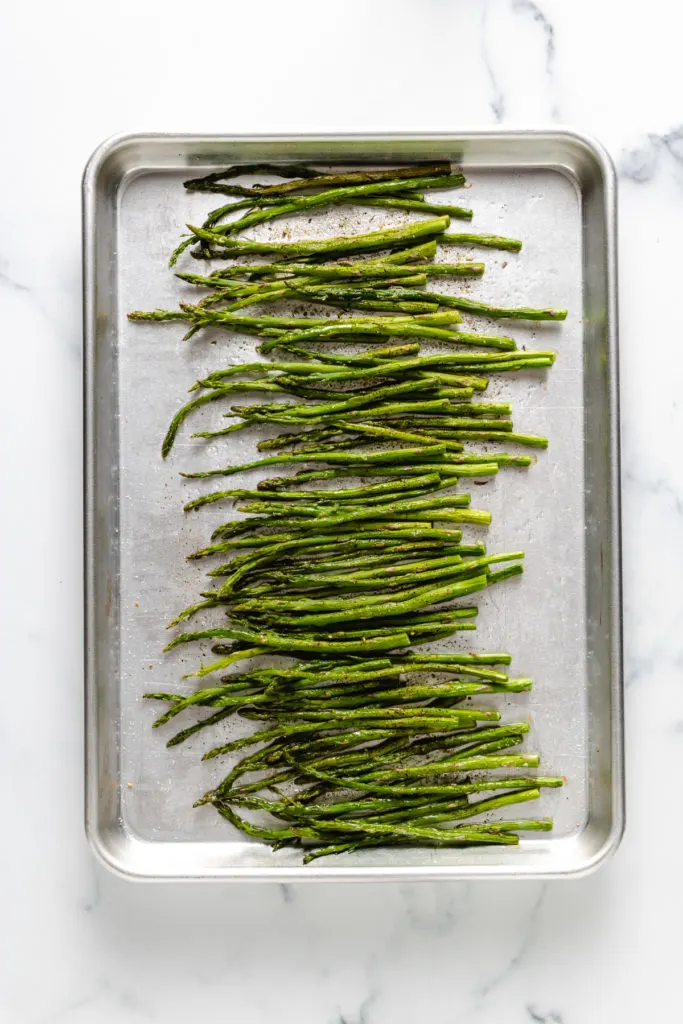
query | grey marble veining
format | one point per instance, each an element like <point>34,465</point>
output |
<point>518,52</point>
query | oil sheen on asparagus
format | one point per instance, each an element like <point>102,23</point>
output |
<point>368,548</point>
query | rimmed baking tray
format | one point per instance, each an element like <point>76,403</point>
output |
<point>554,189</point>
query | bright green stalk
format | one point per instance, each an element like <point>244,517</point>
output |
<point>395,457</point>
<point>487,241</point>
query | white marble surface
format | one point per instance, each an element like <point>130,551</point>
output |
<point>79,945</point>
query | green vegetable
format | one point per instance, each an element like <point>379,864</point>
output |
<point>487,241</point>
<point>389,238</point>
<point>370,733</point>
<point>208,183</point>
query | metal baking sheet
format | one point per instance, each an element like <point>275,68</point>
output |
<point>561,620</point>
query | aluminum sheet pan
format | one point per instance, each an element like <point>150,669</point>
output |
<point>561,620</point>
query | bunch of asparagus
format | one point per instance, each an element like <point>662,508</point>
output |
<point>346,579</point>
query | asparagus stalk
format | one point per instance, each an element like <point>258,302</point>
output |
<point>274,642</point>
<point>281,170</point>
<point>397,457</point>
<point>403,294</point>
<point>365,271</point>
<point>388,238</point>
<point>487,241</point>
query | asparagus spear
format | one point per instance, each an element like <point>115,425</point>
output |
<point>402,294</point>
<point>365,271</point>
<point>419,206</point>
<point>389,238</point>
<point>279,483</point>
<point>487,241</point>
<point>395,457</point>
<point>275,642</point>
<point>281,170</point>
<point>210,182</point>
